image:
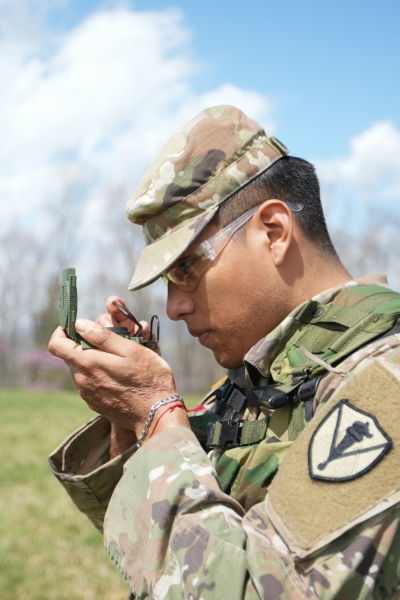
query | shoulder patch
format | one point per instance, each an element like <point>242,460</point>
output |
<point>346,444</point>
<point>344,468</point>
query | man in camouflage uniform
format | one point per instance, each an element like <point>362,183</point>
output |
<point>314,361</point>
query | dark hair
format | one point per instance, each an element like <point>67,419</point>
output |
<point>290,179</point>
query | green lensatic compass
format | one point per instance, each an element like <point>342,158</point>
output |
<point>68,309</point>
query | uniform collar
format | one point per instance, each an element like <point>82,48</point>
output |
<point>260,357</point>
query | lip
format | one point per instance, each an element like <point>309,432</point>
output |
<point>203,337</point>
<point>201,334</point>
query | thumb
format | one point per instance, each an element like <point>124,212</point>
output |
<point>103,338</point>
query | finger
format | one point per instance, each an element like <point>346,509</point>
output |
<point>133,329</point>
<point>106,320</point>
<point>104,339</point>
<point>146,329</point>
<point>122,319</point>
<point>114,310</point>
<point>61,346</point>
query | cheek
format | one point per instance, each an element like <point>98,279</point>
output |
<point>230,297</point>
<point>222,296</point>
<point>234,274</point>
<point>239,299</point>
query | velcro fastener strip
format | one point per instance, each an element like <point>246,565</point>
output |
<point>253,432</point>
<point>237,400</point>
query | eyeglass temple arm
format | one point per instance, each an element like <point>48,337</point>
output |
<point>209,249</point>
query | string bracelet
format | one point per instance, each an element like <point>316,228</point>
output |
<point>169,400</point>
<point>153,409</point>
<point>177,405</point>
<point>197,408</point>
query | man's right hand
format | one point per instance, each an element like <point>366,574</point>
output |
<point>115,318</point>
<point>121,438</point>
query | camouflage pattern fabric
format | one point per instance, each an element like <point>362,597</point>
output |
<point>173,532</point>
<point>205,162</point>
<point>81,464</point>
<point>246,472</point>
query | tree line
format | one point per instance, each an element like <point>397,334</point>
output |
<point>104,246</point>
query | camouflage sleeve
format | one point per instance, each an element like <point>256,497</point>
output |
<point>82,466</point>
<point>170,529</point>
<point>173,533</point>
<point>362,564</point>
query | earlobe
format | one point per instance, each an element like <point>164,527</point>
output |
<point>277,220</point>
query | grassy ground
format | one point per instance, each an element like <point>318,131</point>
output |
<point>48,549</point>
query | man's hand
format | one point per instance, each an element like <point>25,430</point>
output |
<point>121,380</point>
<point>122,438</point>
<point>115,318</point>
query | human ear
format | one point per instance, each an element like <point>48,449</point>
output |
<point>277,221</point>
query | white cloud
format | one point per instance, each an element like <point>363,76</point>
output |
<point>372,169</point>
<point>255,105</point>
<point>94,104</point>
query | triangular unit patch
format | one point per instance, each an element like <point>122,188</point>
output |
<point>346,444</point>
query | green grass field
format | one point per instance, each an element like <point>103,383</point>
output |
<point>48,549</point>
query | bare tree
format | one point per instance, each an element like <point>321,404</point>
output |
<point>20,257</point>
<point>371,250</point>
<point>30,264</point>
<point>106,256</point>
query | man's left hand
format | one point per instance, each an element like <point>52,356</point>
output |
<point>121,380</point>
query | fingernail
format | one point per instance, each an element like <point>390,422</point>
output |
<point>83,326</point>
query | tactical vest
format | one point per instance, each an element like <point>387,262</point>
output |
<point>247,452</point>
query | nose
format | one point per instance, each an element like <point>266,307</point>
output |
<point>179,303</point>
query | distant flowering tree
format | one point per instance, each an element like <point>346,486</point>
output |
<point>42,360</point>
<point>45,370</point>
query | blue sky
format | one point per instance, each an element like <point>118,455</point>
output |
<point>91,91</point>
<point>331,68</point>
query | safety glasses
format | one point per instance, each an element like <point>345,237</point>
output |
<point>187,272</point>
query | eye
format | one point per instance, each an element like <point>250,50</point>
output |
<point>185,267</point>
<point>183,271</point>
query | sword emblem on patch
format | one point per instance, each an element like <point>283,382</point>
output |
<point>346,444</point>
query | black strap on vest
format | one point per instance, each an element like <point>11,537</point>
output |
<point>233,396</point>
<point>268,396</point>
<point>231,433</point>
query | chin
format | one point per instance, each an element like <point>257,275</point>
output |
<point>228,362</point>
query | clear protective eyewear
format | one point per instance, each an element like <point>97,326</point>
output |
<point>187,272</point>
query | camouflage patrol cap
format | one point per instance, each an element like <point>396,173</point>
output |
<point>202,165</point>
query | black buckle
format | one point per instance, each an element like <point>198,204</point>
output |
<point>230,433</point>
<point>231,386</point>
<point>222,394</point>
<point>307,389</point>
<point>272,397</point>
